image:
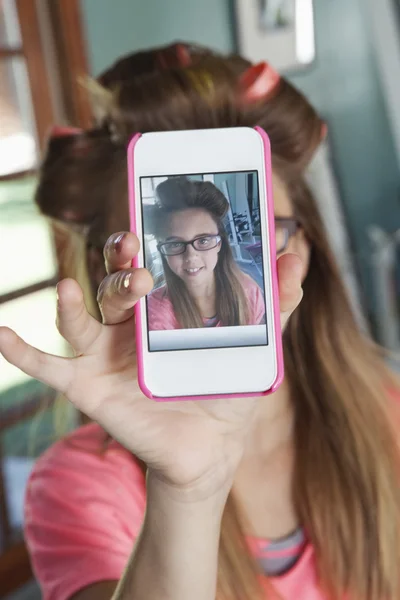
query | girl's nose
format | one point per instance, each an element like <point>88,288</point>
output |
<point>190,251</point>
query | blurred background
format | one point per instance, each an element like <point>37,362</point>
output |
<point>344,55</point>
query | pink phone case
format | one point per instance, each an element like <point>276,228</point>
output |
<point>275,289</point>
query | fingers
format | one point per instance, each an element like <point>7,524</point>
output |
<point>124,286</point>
<point>52,370</point>
<point>119,292</point>
<point>74,322</point>
<point>119,251</point>
<point>290,269</point>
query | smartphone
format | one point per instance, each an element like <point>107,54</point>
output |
<point>201,204</point>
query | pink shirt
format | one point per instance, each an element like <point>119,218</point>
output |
<point>161,313</point>
<point>84,511</point>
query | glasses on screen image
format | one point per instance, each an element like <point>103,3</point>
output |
<point>285,228</point>
<point>201,244</point>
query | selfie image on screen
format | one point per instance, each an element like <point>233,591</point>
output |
<point>202,244</point>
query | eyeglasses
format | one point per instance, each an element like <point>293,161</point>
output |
<point>202,244</point>
<point>285,228</point>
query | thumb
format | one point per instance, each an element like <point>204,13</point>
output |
<point>290,270</point>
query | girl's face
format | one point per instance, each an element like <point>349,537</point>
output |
<point>194,267</point>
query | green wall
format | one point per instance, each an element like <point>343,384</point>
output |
<point>344,86</point>
<point>120,26</point>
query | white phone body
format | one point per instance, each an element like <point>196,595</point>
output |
<point>220,360</point>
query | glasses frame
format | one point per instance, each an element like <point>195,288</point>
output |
<point>190,243</point>
<point>291,226</point>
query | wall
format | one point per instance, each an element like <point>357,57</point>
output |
<point>115,28</point>
<point>343,84</point>
<point>384,17</point>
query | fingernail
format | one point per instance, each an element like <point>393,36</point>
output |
<point>118,242</point>
<point>57,297</point>
<point>126,281</point>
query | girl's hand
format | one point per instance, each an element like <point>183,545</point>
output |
<point>192,447</point>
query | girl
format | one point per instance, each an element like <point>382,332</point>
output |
<point>204,286</point>
<point>295,496</point>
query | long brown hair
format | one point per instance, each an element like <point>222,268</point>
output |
<point>180,193</point>
<point>346,484</point>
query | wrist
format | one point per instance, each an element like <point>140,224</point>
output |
<point>200,496</point>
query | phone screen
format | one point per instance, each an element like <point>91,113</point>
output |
<point>203,246</point>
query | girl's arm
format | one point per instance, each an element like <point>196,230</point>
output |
<point>176,555</point>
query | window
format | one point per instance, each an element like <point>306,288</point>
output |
<point>38,40</point>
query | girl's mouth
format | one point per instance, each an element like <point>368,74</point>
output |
<point>194,271</point>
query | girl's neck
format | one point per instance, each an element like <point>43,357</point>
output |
<point>264,481</point>
<point>273,425</point>
<point>204,296</point>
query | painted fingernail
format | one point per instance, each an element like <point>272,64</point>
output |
<point>57,297</point>
<point>127,281</point>
<point>118,242</point>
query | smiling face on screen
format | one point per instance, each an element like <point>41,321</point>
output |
<point>195,267</point>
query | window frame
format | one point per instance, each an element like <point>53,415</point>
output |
<point>65,20</point>
<point>64,26</point>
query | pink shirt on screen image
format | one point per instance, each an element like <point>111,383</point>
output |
<point>161,314</point>
<point>84,510</point>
